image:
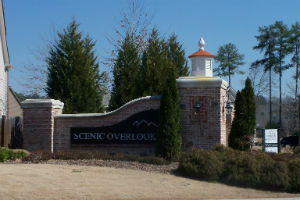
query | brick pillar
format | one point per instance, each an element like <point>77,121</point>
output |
<point>38,123</point>
<point>203,113</point>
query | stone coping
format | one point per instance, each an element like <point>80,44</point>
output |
<point>201,82</point>
<point>42,103</point>
<point>107,113</point>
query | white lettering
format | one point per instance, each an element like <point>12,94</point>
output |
<point>110,136</point>
<point>75,136</point>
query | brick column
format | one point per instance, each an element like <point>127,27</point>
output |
<point>203,114</point>
<point>38,123</point>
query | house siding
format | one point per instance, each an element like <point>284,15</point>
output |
<point>3,85</point>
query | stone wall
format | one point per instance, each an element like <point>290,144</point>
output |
<point>63,123</point>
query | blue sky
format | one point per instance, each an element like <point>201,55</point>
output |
<point>30,22</point>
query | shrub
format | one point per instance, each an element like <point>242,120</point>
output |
<point>296,150</point>
<point>278,172</point>
<point>6,154</point>
<point>240,169</point>
<point>273,175</point>
<point>201,164</point>
<point>294,175</point>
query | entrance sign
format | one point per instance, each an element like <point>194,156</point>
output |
<point>137,129</point>
<point>270,140</point>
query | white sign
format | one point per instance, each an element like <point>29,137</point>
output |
<point>271,140</point>
<point>271,136</point>
<point>271,149</point>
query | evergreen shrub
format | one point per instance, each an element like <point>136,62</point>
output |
<point>240,169</point>
<point>201,164</point>
<point>247,169</point>
<point>6,154</point>
<point>294,175</point>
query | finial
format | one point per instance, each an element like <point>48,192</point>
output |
<point>201,43</point>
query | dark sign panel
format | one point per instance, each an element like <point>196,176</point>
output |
<point>137,129</point>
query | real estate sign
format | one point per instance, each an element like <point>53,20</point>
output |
<point>270,140</point>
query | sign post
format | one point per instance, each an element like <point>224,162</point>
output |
<point>271,140</point>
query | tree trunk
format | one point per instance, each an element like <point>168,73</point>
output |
<point>270,96</point>
<point>280,100</point>
<point>229,78</point>
<point>297,68</point>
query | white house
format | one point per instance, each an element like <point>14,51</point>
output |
<point>4,65</point>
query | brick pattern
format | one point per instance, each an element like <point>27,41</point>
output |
<point>38,126</point>
<point>63,123</point>
<point>206,127</point>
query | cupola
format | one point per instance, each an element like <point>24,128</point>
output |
<point>202,61</point>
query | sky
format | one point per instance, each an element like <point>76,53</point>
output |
<point>30,23</point>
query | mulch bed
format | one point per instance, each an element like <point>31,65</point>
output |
<point>166,169</point>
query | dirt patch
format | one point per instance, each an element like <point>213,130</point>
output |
<point>49,181</point>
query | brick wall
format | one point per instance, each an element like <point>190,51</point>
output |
<point>38,123</point>
<point>46,128</point>
<point>63,123</point>
<point>202,129</point>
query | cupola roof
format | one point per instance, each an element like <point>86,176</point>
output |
<point>201,51</point>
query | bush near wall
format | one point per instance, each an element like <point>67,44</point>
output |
<point>7,154</point>
<point>256,170</point>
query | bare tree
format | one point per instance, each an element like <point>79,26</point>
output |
<point>35,70</point>
<point>291,110</point>
<point>259,80</point>
<point>134,21</point>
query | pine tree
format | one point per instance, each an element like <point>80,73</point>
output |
<point>294,41</point>
<point>177,56</point>
<point>266,44</point>
<point>169,136</point>
<point>244,121</point>
<point>230,59</point>
<point>73,72</point>
<point>126,74</point>
<point>281,50</point>
<point>154,63</point>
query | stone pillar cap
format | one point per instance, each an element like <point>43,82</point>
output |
<point>201,82</point>
<point>42,103</point>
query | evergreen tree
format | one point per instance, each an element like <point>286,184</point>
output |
<point>281,50</point>
<point>154,63</point>
<point>236,139</point>
<point>250,108</point>
<point>294,41</point>
<point>244,122</point>
<point>230,59</point>
<point>266,44</point>
<point>73,72</point>
<point>177,56</point>
<point>126,74</point>
<point>169,136</point>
